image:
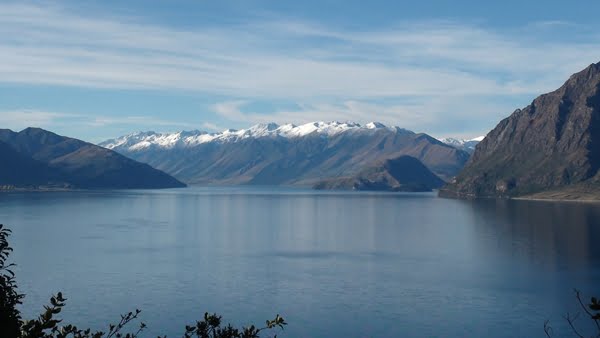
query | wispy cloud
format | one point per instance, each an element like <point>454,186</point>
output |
<point>442,67</point>
<point>19,119</point>
<point>231,110</point>
<point>210,126</point>
<point>51,45</point>
<point>430,116</point>
<point>130,120</point>
<point>346,111</point>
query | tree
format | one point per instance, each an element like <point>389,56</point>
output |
<point>10,318</point>
<point>47,325</point>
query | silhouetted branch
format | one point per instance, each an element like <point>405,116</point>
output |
<point>596,317</point>
<point>548,329</point>
<point>571,321</point>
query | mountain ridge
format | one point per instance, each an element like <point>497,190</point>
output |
<point>35,157</point>
<point>404,173</point>
<point>553,144</point>
<point>261,130</point>
<point>284,154</point>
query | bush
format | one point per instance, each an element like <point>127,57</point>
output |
<point>47,325</point>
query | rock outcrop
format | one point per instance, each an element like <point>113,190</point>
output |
<point>551,145</point>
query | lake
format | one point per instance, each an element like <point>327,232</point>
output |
<point>333,264</point>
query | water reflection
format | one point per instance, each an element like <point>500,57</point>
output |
<point>564,235</point>
<point>405,265</point>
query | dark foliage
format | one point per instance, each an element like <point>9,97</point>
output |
<point>10,318</point>
<point>47,325</point>
<point>590,310</point>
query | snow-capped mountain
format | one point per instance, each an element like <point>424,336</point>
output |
<point>466,145</point>
<point>185,139</point>
<point>284,154</point>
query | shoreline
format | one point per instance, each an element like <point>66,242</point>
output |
<point>42,190</point>
<point>521,198</point>
<point>37,190</point>
<point>541,199</point>
<point>549,197</point>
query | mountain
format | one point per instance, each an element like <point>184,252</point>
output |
<point>462,144</point>
<point>550,148</point>
<point>36,157</point>
<point>18,169</point>
<point>404,173</point>
<point>274,154</point>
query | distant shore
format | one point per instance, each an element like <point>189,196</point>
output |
<point>577,193</point>
<point>5,189</point>
<point>557,199</point>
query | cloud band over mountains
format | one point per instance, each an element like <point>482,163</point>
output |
<point>412,74</point>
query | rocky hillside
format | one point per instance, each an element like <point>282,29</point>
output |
<point>404,173</point>
<point>20,170</point>
<point>36,158</point>
<point>552,145</point>
<point>274,154</point>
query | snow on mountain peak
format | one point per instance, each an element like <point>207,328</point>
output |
<point>375,125</point>
<point>467,145</point>
<point>261,129</point>
<point>141,140</point>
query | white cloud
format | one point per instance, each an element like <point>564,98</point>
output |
<point>99,121</point>
<point>51,45</point>
<point>210,126</point>
<point>447,70</point>
<point>20,119</point>
<point>231,110</point>
<point>430,116</point>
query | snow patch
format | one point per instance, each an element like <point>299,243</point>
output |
<point>183,139</point>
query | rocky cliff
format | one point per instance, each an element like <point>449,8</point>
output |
<point>551,145</point>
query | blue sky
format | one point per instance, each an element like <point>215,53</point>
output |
<point>100,69</point>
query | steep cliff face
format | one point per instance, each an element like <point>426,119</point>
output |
<point>551,144</point>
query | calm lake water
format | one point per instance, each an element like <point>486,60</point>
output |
<point>333,264</point>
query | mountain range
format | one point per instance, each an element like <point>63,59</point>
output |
<point>549,149</point>
<point>35,158</point>
<point>272,154</point>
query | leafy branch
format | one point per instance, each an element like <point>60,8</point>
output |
<point>591,310</point>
